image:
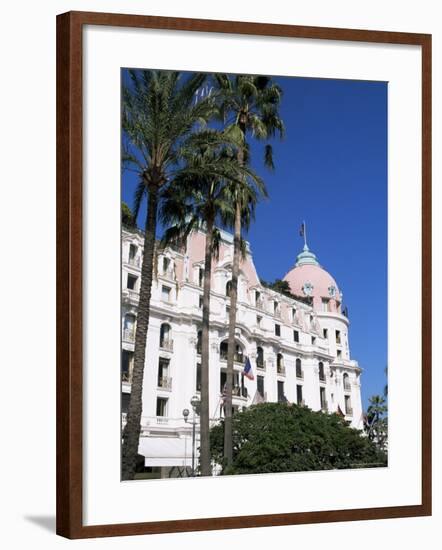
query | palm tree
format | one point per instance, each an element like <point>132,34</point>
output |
<point>376,420</point>
<point>159,113</point>
<point>249,105</point>
<point>199,197</point>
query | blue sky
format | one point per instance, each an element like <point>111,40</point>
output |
<point>331,171</point>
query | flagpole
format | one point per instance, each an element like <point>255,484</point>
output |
<point>305,233</point>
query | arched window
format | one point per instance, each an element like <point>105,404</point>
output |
<point>259,357</point>
<point>166,336</point>
<point>321,371</point>
<point>228,288</point>
<point>299,373</point>
<point>346,381</point>
<point>223,350</point>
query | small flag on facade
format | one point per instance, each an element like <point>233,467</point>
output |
<point>302,230</point>
<point>248,370</point>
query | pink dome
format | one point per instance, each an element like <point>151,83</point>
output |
<point>309,279</point>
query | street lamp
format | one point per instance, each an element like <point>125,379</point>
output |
<point>195,402</point>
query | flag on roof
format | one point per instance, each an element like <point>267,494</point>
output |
<point>248,370</point>
<point>302,230</point>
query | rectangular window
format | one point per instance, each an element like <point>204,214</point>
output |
<point>325,333</point>
<point>200,302</point>
<point>277,330</point>
<point>258,320</point>
<point>325,304</point>
<point>163,372</point>
<point>126,365</point>
<point>339,354</point>
<point>313,340</point>
<point>323,399</point>
<point>222,381</point>
<point>165,293</point>
<point>296,336</point>
<point>161,406</point>
<point>198,377</point>
<point>131,281</point>
<point>338,336</point>
<point>132,252</point>
<point>348,407</point>
<point>281,396</point>
<point>166,264</point>
<point>200,276</point>
<point>299,394</point>
<point>260,385</point>
<point>294,314</point>
<point>257,298</point>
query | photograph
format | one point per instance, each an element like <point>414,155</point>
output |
<point>254,269</point>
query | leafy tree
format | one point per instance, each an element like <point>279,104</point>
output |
<point>280,437</point>
<point>199,197</point>
<point>248,106</point>
<point>159,113</point>
<point>127,218</point>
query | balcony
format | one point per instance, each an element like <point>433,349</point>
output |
<point>238,391</point>
<point>261,364</point>
<point>135,262</point>
<point>130,296</point>
<point>128,335</point>
<point>165,383</point>
<point>237,358</point>
<point>280,369</point>
<point>167,345</point>
<point>126,377</point>
<point>277,313</point>
<point>168,274</point>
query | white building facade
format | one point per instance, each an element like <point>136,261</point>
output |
<point>298,347</point>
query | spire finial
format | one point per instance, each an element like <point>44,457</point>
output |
<point>303,233</point>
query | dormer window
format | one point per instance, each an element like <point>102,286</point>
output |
<point>307,289</point>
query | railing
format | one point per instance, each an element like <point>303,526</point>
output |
<point>165,383</point>
<point>167,345</point>
<point>322,377</point>
<point>261,364</point>
<point>131,295</point>
<point>128,335</point>
<point>239,392</point>
<point>280,369</point>
<point>168,274</point>
<point>237,357</point>
<point>300,375</point>
<point>134,261</point>
<point>347,387</point>
<point>162,420</point>
<point>126,377</point>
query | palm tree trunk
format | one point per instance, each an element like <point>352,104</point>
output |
<point>205,462</point>
<point>228,444</point>
<point>132,429</point>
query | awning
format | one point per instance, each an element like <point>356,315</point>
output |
<point>166,451</point>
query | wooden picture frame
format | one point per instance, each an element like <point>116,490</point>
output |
<point>70,270</point>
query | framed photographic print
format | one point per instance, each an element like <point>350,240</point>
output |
<point>243,274</point>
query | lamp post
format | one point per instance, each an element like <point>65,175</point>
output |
<point>195,402</point>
